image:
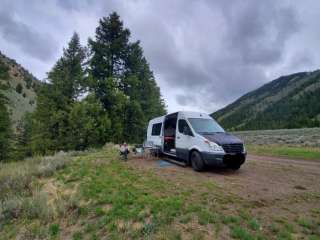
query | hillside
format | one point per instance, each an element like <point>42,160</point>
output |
<point>291,101</point>
<point>19,86</point>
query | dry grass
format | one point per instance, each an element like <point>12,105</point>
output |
<point>20,189</point>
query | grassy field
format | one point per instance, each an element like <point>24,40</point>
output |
<point>302,137</point>
<point>307,153</point>
<point>301,143</point>
<point>93,195</point>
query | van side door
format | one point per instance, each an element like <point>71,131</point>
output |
<point>184,137</point>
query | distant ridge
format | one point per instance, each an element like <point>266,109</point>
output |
<point>19,86</point>
<point>291,101</point>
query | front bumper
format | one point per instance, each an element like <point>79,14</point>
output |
<point>224,159</point>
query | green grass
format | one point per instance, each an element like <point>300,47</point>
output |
<point>241,233</point>
<point>306,153</point>
<point>54,230</point>
<point>99,196</point>
<point>254,224</point>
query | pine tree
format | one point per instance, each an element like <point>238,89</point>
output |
<point>107,64</point>
<point>56,99</point>
<point>5,123</point>
<point>21,147</point>
<point>145,90</point>
<point>89,124</point>
<point>67,76</point>
<point>4,70</point>
<point>121,79</point>
<point>5,129</point>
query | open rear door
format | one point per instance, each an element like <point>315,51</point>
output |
<point>169,134</point>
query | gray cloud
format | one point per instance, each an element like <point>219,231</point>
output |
<point>34,43</point>
<point>185,100</point>
<point>204,54</point>
<point>74,5</point>
<point>245,38</point>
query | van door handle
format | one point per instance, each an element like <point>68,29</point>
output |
<point>178,137</point>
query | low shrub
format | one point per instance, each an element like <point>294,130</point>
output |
<point>36,207</point>
<point>14,182</point>
<point>11,208</point>
<point>18,193</point>
<point>32,207</point>
<point>50,164</point>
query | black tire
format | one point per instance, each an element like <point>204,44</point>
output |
<point>196,161</point>
<point>235,167</point>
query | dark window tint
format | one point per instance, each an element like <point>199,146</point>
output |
<point>156,129</point>
<point>184,127</point>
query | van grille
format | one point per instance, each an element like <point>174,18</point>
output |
<point>233,148</point>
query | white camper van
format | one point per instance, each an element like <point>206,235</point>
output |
<point>196,139</point>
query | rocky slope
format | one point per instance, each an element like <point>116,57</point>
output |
<point>19,86</point>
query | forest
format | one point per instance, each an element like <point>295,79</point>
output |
<point>102,92</point>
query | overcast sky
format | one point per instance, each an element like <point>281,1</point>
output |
<point>204,54</point>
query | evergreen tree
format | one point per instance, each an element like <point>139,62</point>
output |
<point>4,70</point>
<point>134,128</point>
<point>121,98</point>
<point>19,88</point>
<point>5,129</point>
<point>56,99</point>
<point>145,90</point>
<point>67,76</point>
<point>21,147</point>
<point>107,63</point>
<point>5,123</point>
<point>121,78</point>
<point>89,124</point>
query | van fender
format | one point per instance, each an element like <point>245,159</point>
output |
<point>193,148</point>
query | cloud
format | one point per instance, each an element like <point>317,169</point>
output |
<point>220,53</point>
<point>212,49</point>
<point>34,43</point>
<point>204,53</point>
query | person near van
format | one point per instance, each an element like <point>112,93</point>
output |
<point>124,150</point>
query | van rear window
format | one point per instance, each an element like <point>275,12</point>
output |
<point>156,129</point>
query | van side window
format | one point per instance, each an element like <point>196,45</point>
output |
<point>184,127</point>
<point>156,129</point>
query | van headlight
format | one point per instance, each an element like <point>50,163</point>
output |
<point>214,147</point>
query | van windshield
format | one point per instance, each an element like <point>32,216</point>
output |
<point>205,125</point>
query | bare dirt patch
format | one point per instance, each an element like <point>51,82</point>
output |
<point>259,179</point>
<point>270,188</point>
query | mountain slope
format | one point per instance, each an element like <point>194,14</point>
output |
<point>19,86</point>
<point>291,101</point>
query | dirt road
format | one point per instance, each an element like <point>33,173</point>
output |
<point>274,189</point>
<point>259,179</point>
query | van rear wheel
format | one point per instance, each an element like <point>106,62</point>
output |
<point>196,161</point>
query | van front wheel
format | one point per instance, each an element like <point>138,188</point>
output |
<point>196,161</point>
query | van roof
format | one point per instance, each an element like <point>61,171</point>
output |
<point>189,114</point>
<point>186,114</point>
<point>157,119</point>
